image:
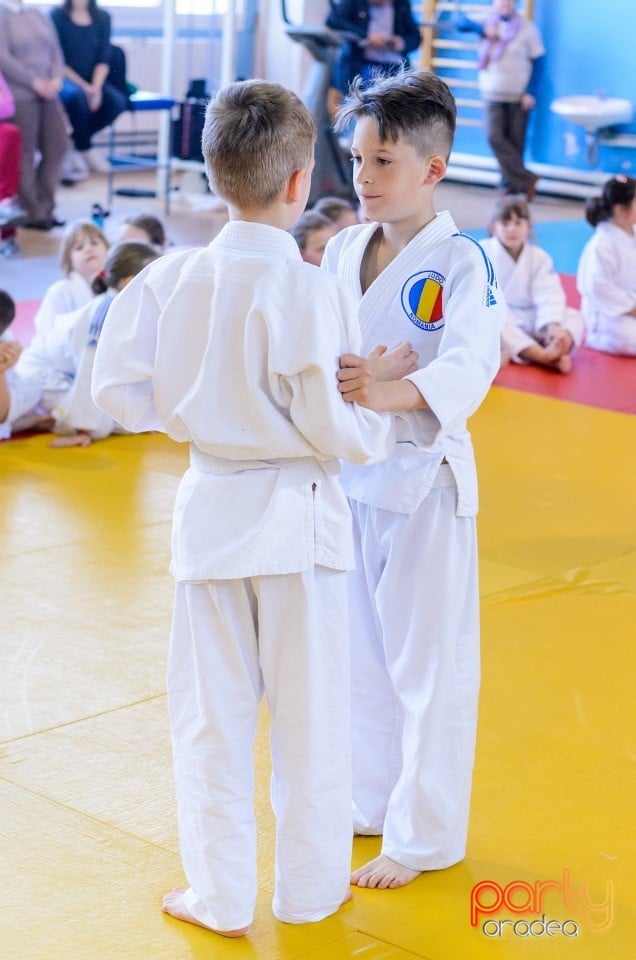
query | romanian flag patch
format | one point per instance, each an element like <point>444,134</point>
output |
<point>422,300</point>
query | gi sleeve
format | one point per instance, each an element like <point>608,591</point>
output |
<point>30,376</point>
<point>455,383</point>
<point>597,279</point>
<point>304,378</point>
<point>547,291</point>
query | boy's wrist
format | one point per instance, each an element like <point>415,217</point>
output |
<point>391,396</point>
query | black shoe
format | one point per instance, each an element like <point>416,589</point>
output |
<point>37,225</point>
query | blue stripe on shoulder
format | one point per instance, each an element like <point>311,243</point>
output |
<point>490,271</point>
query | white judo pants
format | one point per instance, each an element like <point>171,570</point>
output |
<point>231,640</point>
<point>415,676</point>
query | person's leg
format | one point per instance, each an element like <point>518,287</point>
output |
<point>214,686</point>
<point>514,176</point>
<point>303,644</point>
<point>376,715</point>
<point>27,118</point>
<point>427,601</point>
<point>52,144</point>
<point>113,103</point>
<point>76,105</point>
<point>517,129</point>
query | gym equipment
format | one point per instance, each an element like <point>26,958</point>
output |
<point>332,173</point>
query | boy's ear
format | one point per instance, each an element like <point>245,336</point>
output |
<point>436,169</point>
<point>294,186</point>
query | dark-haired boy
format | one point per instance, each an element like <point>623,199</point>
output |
<point>234,349</point>
<point>413,595</point>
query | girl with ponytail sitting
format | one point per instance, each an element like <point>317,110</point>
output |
<point>606,276</point>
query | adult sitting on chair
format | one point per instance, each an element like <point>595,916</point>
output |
<point>31,63</point>
<point>91,102</point>
<point>386,33</point>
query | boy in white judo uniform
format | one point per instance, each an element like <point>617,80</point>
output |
<point>234,349</point>
<point>413,598</point>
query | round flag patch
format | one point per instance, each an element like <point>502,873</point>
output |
<point>422,300</point>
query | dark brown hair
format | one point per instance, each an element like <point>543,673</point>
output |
<point>505,208</point>
<point>152,227</point>
<point>309,221</point>
<point>123,261</point>
<point>418,107</point>
<point>7,310</point>
<point>617,192</point>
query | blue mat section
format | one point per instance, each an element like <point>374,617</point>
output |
<point>563,239</point>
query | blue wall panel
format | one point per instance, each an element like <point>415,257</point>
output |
<point>590,49</point>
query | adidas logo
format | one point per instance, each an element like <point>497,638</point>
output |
<point>489,298</point>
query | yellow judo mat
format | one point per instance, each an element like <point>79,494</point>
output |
<point>87,811</point>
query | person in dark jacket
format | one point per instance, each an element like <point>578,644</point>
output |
<point>90,100</point>
<point>385,34</point>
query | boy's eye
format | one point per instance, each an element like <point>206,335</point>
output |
<point>383,161</point>
<point>355,159</point>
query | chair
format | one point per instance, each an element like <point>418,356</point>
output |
<point>122,148</point>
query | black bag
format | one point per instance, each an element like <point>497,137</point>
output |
<point>188,128</point>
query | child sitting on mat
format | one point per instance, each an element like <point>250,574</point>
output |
<point>540,327</point>
<point>607,269</point>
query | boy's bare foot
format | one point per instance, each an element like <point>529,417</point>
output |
<point>79,439</point>
<point>564,363</point>
<point>384,874</point>
<point>173,904</point>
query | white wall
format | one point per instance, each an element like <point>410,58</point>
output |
<point>277,57</point>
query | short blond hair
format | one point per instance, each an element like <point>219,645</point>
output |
<point>256,134</point>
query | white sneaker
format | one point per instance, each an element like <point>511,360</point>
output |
<point>11,213</point>
<point>74,167</point>
<point>96,161</point>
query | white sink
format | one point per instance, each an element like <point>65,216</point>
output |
<point>593,112</point>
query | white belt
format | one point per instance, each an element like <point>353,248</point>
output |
<point>207,463</point>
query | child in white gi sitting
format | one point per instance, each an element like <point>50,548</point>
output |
<point>312,231</point>
<point>341,212</point>
<point>606,276</point>
<point>233,348</point>
<point>144,228</point>
<point>63,355</point>
<point>540,328</point>
<point>414,597</point>
<point>82,257</point>
<point>77,419</point>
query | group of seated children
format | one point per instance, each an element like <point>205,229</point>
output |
<point>48,384</point>
<point>541,329</point>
